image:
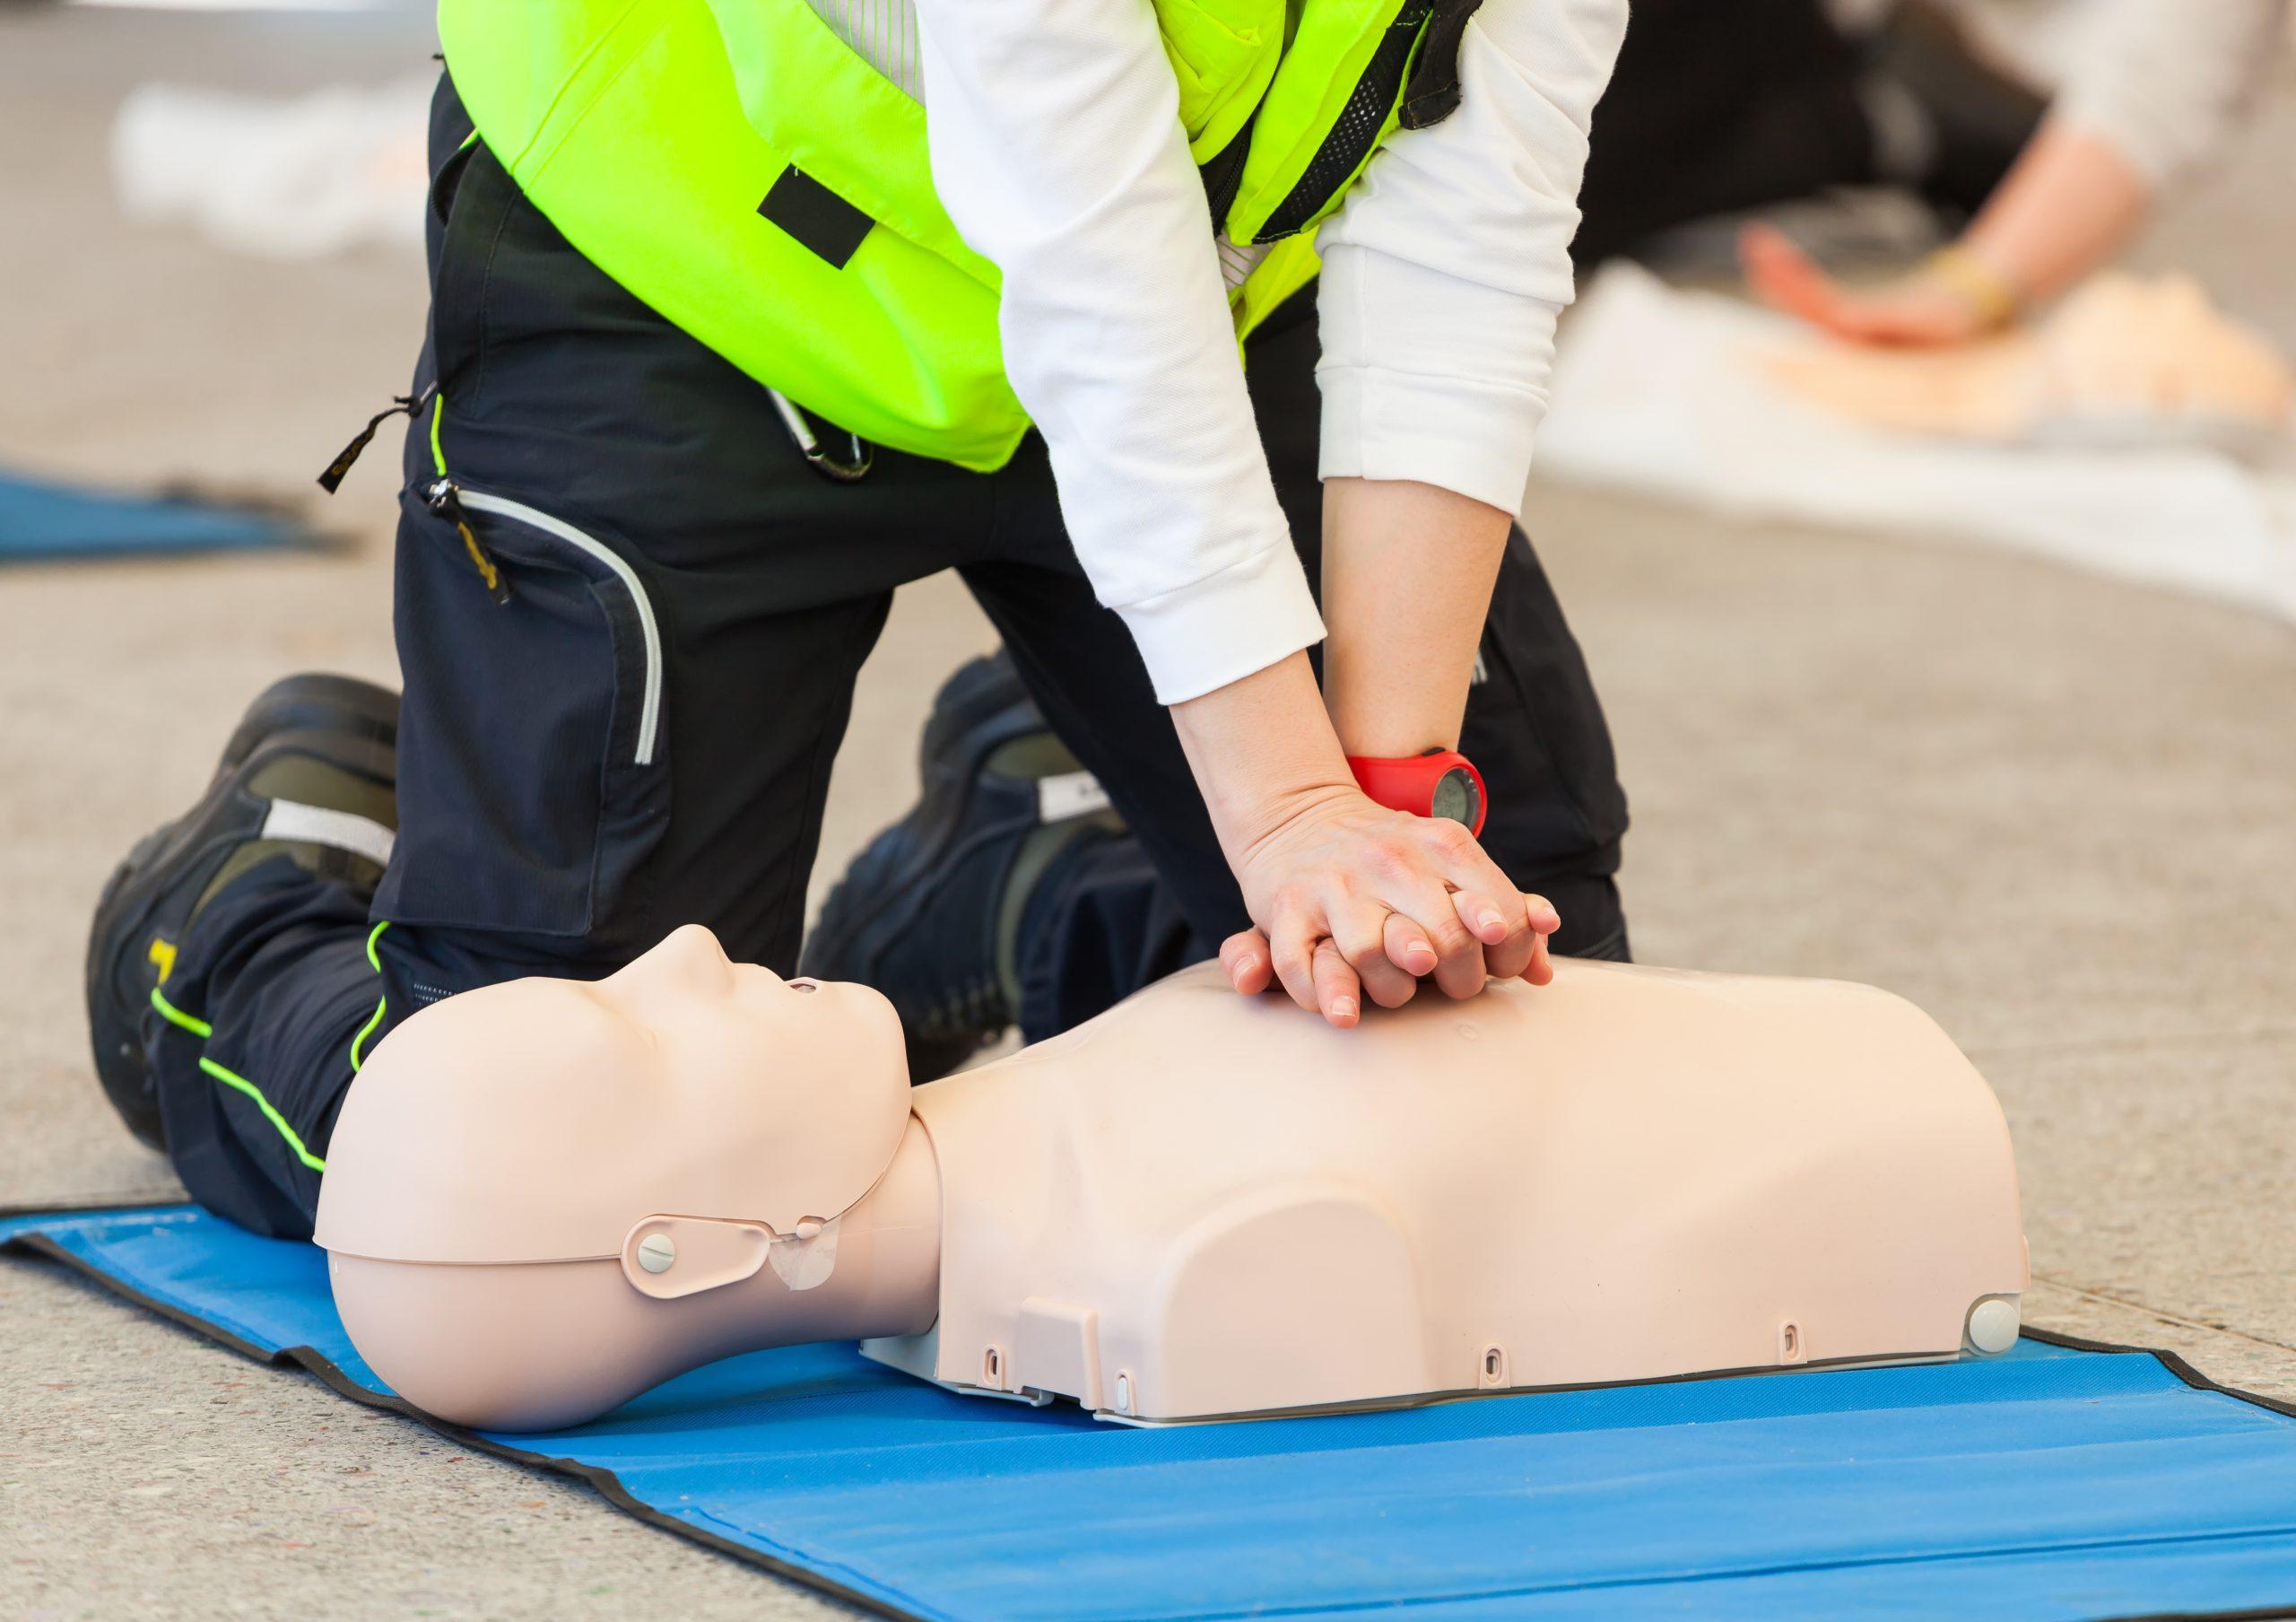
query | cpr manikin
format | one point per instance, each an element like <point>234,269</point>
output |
<point>545,1197</point>
<point>2123,358</point>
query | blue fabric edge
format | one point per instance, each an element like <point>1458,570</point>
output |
<point>166,523</point>
<point>21,1233</point>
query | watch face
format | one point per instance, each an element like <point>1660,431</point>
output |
<point>1455,798</point>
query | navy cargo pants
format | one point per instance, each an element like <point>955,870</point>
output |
<point>629,725</point>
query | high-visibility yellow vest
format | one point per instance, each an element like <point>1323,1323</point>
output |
<point>739,167</point>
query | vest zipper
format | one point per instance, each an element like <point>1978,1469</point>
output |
<point>452,501</point>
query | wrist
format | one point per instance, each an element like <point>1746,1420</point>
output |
<point>1439,783</point>
<point>1262,750</point>
<point>1972,276</point>
<point>1251,825</point>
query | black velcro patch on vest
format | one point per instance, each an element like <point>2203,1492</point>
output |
<point>815,215</point>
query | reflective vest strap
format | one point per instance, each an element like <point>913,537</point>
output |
<point>1328,58</point>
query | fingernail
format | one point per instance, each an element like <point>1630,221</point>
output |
<point>1343,1008</point>
<point>1247,962</point>
<point>1550,921</point>
<point>1491,920</point>
<point>1419,958</point>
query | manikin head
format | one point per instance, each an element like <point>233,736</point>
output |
<point>2125,345</point>
<point>492,1177</point>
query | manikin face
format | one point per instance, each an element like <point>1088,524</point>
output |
<point>684,1015</point>
<point>539,1119</point>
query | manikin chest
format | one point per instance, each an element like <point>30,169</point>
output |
<point>1201,1207</point>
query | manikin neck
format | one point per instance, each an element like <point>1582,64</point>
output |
<point>886,1278</point>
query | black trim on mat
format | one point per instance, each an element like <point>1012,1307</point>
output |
<point>609,1485</point>
<point>2170,1361</point>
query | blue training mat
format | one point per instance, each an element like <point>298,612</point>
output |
<point>44,521</point>
<point>2060,1481</point>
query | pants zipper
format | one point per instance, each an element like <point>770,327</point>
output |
<point>445,499</point>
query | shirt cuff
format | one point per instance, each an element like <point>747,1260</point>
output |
<point>1429,375</point>
<point>1471,436</point>
<point>1225,626</point>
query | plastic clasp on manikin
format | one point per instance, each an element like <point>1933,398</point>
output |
<point>670,1257</point>
<point>667,1257</point>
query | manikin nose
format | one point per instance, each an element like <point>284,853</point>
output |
<point>691,952</point>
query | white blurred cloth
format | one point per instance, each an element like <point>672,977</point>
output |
<point>298,178</point>
<point>1661,392</point>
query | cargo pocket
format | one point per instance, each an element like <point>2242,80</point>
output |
<point>532,777</point>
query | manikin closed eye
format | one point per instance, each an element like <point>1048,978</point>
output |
<point>1196,1206</point>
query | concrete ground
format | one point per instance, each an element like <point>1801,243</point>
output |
<point>2054,811</point>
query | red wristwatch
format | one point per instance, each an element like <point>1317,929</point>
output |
<point>1441,783</point>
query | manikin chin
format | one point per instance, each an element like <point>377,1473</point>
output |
<point>545,1197</point>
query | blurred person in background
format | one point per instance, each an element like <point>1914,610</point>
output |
<point>1720,108</point>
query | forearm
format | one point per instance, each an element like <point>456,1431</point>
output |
<point>1408,576</point>
<point>2071,200</point>
<point>1261,748</point>
<point>1442,279</point>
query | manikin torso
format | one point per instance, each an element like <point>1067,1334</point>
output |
<point>2121,360</point>
<point>1197,1206</point>
<point>1201,1204</point>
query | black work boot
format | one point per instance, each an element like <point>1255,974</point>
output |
<point>930,912</point>
<point>311,773</point>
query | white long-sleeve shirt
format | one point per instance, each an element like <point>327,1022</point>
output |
<point>2164,82</point>
<point>2167,81</point>
<point>1056,148</point>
